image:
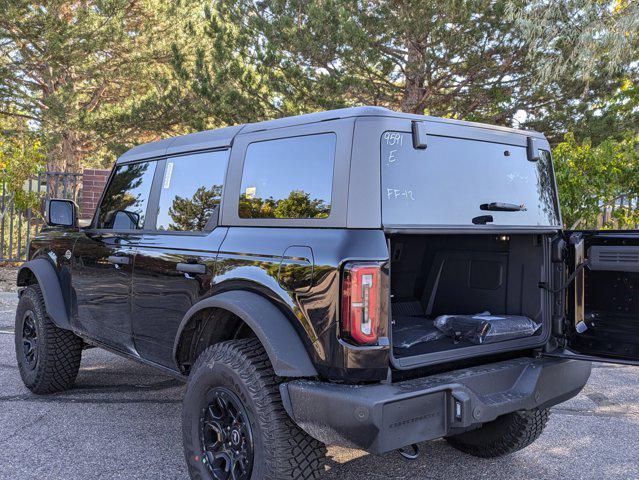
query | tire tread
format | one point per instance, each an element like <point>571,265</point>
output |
<point>295,454</point>
<point>59,351</point>
<point>521,429</point>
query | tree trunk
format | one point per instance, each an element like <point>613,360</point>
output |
<point>412,101</point>
<point>65,156</point>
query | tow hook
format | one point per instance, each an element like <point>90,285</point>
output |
<point>407,454</point>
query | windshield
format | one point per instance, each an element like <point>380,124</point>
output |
<point>464,182</point>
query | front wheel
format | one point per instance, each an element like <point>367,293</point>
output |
<point>233,422</point>
<point>504,435</point>
<point>48,357</point>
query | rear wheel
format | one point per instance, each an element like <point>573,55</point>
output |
<point>233,422</point>
<point>48,357</point>
<point>504,435</point>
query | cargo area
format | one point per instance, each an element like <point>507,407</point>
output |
<point>465,295</point>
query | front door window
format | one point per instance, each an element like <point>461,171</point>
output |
<point>125,200</point>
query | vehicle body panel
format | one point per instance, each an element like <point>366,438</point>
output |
<point>162,292</point>
<point>102,288</point>
<point>54,244</point>
<point>250,259</point>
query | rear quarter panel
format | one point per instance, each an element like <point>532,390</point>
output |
<point>250,259</point>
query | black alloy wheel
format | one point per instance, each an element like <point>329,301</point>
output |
<point>226,436</point>
<point>29,339</point>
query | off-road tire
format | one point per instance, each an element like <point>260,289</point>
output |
<point>504,435</point>
<point>58,351</point>
<point>281,449</point>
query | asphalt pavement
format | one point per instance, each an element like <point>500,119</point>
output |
<point>122,421</point>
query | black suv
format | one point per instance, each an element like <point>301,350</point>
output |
<point>356,277</point>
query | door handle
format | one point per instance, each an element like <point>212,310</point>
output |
<point>191,267</point>
<point>118,260</point>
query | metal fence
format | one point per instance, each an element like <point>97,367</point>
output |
<point>18,225</point>
<point>628,205</point>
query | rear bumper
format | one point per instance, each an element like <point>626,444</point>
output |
<point>383,417</point>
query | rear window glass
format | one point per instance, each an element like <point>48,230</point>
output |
<point>288,178</point>
<point>448,182</point>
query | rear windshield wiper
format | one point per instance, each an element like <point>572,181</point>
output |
<point>502,207</point>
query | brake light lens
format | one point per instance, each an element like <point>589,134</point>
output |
<point>361,291</point>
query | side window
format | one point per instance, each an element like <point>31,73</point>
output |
<point>126,197</point>
<point>288,178</point>
<point>191,191</point>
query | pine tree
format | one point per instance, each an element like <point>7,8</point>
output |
<point>76,71</point>
<point>192,214</point>
<point>459,58</point>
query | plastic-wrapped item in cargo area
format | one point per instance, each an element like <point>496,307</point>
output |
<point>486,328</point>
<point>410,335</point>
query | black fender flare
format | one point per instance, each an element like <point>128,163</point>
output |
<point>49,283</point>
<point>280,340</point>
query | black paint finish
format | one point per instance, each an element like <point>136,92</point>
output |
<point>101,285</point>
<point>260,260</point>
<point>130,290</point>
<point>135,306</point>
<point>162,293</point>
<point>127,291</point>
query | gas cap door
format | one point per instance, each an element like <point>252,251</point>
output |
<point>296,269</point>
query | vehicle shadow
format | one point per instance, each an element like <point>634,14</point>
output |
<point>125,417</point>
<point>436,460</point>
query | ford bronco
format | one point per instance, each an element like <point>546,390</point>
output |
<point>356,277</point>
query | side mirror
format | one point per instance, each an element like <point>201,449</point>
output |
<point>61,212</point>
<point>122,220</point>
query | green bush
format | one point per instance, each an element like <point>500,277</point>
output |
<point>592,179</point>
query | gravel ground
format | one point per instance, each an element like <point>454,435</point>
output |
<point>8,275</point>
<point>122,421</point>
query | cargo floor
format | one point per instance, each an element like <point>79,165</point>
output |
<point>413,335</point>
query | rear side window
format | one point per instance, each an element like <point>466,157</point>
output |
<point>288,178</point>
<point>125,199</point>
<point>191,191</point>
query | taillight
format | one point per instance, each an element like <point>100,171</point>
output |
<point>361,293</point>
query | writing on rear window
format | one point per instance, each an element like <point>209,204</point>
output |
<point>396,141</point>
<point>456,181</point>
<point>393,193</point>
